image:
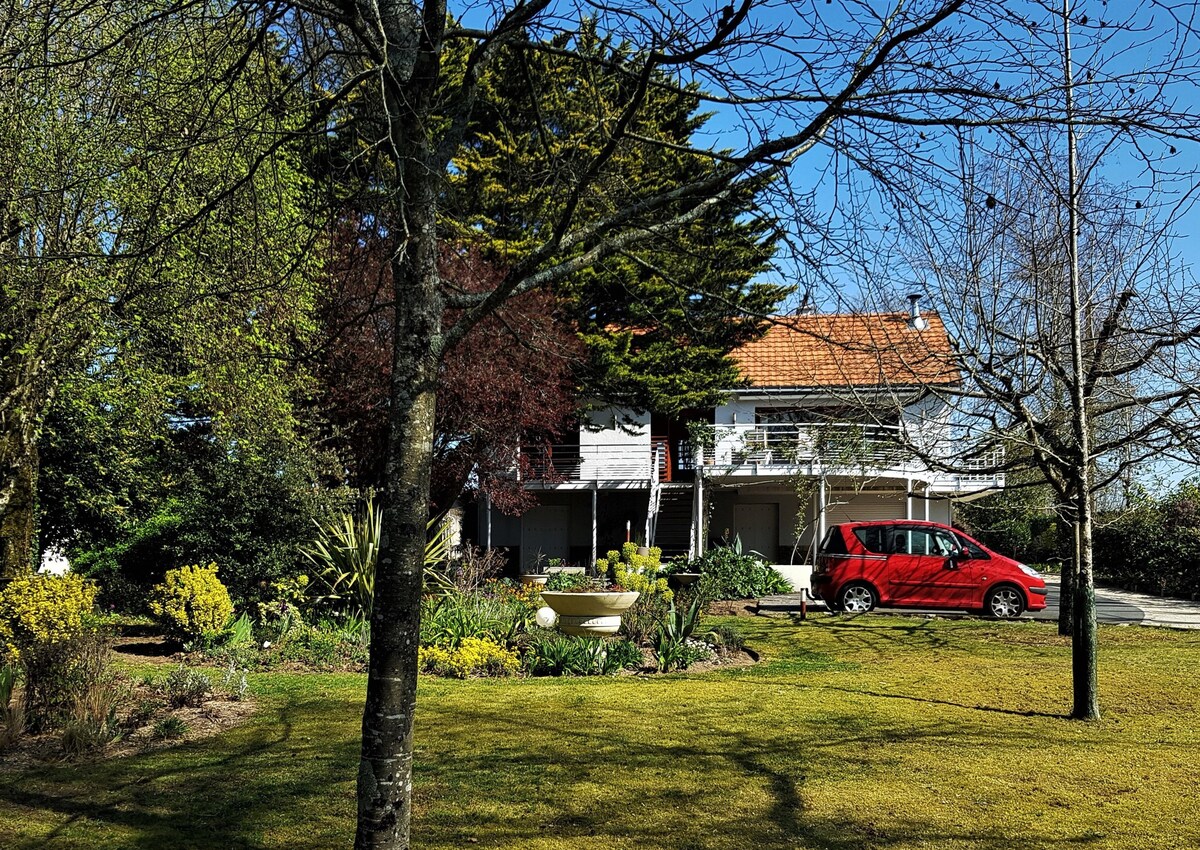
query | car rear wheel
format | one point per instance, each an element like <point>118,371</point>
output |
<point>857,598</point>
<point>1004,602</point>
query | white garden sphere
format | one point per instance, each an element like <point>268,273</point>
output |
<point>545,617</point>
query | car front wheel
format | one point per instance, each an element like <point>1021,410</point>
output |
<point>857,599</point>
<point>1004,603</point>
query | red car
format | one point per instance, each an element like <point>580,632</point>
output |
<point>907,563</point>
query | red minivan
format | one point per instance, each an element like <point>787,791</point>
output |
<point>908,563</point>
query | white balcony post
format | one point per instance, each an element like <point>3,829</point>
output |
<point>595,523</point>
<point>487,522</point>
<point>821,499</point>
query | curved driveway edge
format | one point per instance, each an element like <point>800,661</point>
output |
<point>1113,607</point>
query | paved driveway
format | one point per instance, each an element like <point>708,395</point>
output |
<point>1112,606</point>
<point>1120,606</point>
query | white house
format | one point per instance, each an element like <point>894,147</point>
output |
<point>840,419</point>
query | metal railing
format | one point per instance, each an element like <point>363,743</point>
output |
<point>558,463</point>
<point>835,445</point>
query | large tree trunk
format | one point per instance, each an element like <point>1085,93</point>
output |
<point>385,768</point>
<point>18,498</point>
<point>1066,589</point>
<point>1083,635</point>
<point>18,472</point>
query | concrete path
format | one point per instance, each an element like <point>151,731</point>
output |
<point>1112,606</point>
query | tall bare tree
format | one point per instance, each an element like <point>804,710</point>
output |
<point>1077,327</point>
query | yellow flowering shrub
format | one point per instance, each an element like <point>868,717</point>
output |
<point>473,657</point>
<point>39,610</point>
<point>642,573</point>
<point>191,602</point>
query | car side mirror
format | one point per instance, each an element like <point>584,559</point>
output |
<point>961,555</point>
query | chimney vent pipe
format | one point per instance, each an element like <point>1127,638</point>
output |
<point>915,320</point>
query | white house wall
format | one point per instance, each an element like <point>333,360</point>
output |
<point>615,445</point>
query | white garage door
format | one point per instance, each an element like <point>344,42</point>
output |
<point>863,507</point>
<point>758,527</point>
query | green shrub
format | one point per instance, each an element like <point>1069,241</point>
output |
<point>169,727</point>
<point>49,627</point>
<point>185,686</point>
<point>552,654</point>
<point>323,645</point>
<point>191,603</point>
<point>1154,546</point>
<point>12,717</point>
<point>624,655</point>
<point>726,573</point>
<point>568,581</point>
<point>498,613</point>
<point>472,657</point>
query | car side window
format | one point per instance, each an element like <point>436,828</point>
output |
<point>834,543</point>
<point>944,544</point>
<point>923,541</point>
<point>873,538</point>
<point>973,549</point>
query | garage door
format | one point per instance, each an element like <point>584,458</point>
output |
<point>758,527</point>
<point>863,507</point>
<point>545,533</point>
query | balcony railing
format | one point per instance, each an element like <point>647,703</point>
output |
<point>843,445</point>
<point>775,448</point>
<point>618,462</point>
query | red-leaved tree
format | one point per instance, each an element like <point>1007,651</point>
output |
<point>509,382</point>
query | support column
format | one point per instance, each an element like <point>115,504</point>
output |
<point>696,546</point>
<point>821,507</point>
<point>908,497</point>
<point>927,503</point>
<point>595,521</point>
<point>487,522</point>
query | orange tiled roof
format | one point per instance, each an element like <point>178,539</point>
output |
<point>865,349</point>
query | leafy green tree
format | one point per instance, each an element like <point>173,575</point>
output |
<point>149,208</point>
<point>658,318</point>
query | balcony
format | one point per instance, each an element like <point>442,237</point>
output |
<point>638,463</point>
<point>762,450</point>
<point>835,446</point>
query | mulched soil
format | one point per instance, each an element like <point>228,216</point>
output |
<point>143,707</point>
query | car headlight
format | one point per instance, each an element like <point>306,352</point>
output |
<point>1029,571</point>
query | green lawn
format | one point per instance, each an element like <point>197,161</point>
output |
<point>852,733</point>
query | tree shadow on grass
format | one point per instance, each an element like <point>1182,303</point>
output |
<point>717,789</point>
<point>667,764</point>
<point>225,792</point>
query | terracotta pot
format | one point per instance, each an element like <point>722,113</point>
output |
<point>589,614</point>
<point>534,578</point>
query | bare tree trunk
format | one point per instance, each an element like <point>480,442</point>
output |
<point>1070,573</point>
<point>1083,614</point>
<point>1083,636</point>
<point>385,768</point>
